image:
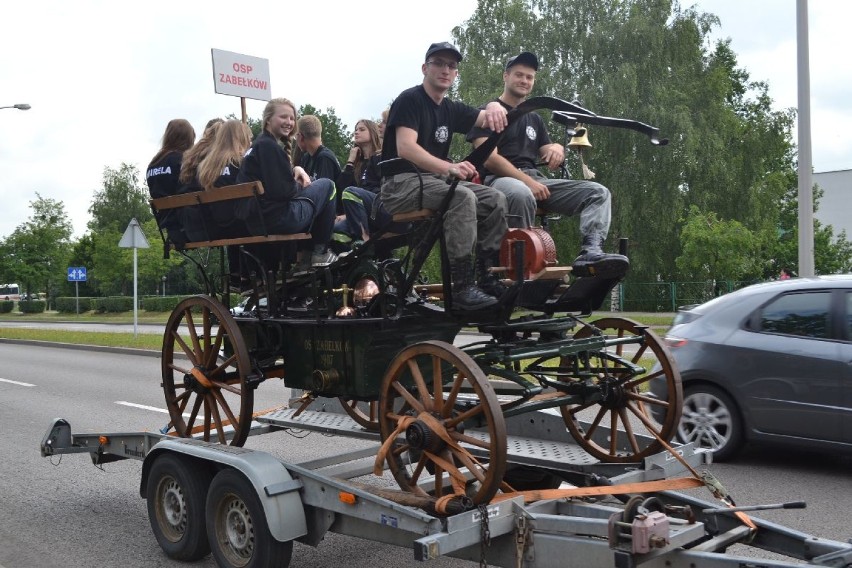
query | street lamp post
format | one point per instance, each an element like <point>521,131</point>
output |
<point>21,106</point>
<point>164,285</point>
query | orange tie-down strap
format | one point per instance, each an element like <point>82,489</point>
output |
<point>638,487</point>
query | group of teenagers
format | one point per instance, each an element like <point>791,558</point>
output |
<point>399,165</point>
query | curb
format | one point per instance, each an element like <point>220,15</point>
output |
<point>81,347</point>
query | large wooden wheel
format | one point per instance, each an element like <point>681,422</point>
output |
<point>431,392</point>
<point>625,407</point>
<point>205,364</point>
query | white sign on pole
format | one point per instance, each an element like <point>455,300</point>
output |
<point>241,75</point>
<point>134,238</point>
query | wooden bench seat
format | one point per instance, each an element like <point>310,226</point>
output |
<point>419,215</point>
<point>228,193</point>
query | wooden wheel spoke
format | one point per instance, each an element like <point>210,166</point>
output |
<point>224,404</point>
<point>187,350</point>
<point>643,417</point>
<point>180,370</point>
<point>470,440</point>
<point>206,419</point>
<point>215,346</point>
<point>649,400</point>
<point>580,407</point>
<point>437,381</point>
<point>628,430</point>
<point>193,414</point>
<point>467,414</point>
<point>217,418</point>
<point>193,334</point>
<point>613,433</point>
<point>182,400</point>
<point>227,387</point>
<point>595,423</point>
<point>408,397</point>
<point>468,461</point>
<point>399,449</point>
<point>420,385</point>
<point>439,480</point>
<point>640,352</point>
<point>452,396</point>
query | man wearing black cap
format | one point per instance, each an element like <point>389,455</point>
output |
<point>511,168</point>
<point>419,130</point>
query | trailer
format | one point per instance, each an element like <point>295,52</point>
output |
<point>247,507</point>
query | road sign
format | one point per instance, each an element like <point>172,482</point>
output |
<point>76,274</point>
<point>133,236</point>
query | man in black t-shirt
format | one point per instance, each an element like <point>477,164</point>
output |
<point>511,168</point>
<point>419,129</point>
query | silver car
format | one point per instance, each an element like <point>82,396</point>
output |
<point>768,363</point>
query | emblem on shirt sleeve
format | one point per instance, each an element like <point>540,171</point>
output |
<point>531,133</point>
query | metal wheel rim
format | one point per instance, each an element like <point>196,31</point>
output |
<point>488,471</point>
<point>225,400</point>
<point>706,421</point>
<point>171,508</point>
<point>235,530</point>
<point>635,405</point>
<point>364,413</point>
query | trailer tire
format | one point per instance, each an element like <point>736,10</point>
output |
<point>237,527</point>
<point>176,494</point>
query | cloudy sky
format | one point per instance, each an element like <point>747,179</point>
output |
<point>104,77</point>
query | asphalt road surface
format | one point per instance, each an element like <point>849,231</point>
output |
<point>66,512</point>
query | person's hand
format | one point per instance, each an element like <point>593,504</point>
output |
<point>553,155</point>
<point>539,190</point>
<point>462,170</point>
<point>495,116</point>
<point>301,176</point>
<point>353,154</point>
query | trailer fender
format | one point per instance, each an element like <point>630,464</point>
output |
<point>275,487</point>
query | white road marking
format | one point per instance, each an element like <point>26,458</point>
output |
<point>145,407</point>
<point>20,384</point>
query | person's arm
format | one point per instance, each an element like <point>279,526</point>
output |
<point>408,148</point>
<point>553,155</point>
<point>493,116</point>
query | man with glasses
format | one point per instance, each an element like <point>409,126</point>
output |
<point>511,168</point>
<point>419,129</point>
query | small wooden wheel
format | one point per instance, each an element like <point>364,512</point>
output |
<point>205,364</point>
<point>431,392</point>
<point>625,408</point>
<point>365,413</point>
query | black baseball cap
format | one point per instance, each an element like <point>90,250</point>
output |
<point>443,46</point>
<point>523,58</point>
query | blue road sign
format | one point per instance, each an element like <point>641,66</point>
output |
<point>76,274</point>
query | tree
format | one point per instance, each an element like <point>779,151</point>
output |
<point>717,250</point>
<point>651,61</point>
<point>120,199</point>
<point>36,253</point>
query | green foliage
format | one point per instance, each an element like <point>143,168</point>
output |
<point>6,306</point>
<point>160,303</point>
<point>35,254</point>
<point>68,305</point>
<point>112,304</point>
<point>32,306</point>
<point>714,249</point>
<point>120,199</point>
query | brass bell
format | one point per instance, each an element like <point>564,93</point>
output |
<point>345,311</point>
<point>580,139</point>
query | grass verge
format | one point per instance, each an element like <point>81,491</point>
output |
<point>101,339</point>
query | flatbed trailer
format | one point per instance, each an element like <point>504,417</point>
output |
<point>252,506</point>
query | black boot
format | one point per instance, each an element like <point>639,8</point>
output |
<point>593,261</point>
<point>466,296</point>
<point>488,281</point>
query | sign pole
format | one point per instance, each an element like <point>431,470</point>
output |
<point>243,107</point>
<point>134,238</point>
<point>77,295</point>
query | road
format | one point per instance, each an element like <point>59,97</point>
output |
<point>65,512</point>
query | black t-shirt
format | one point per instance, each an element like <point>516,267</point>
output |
<point>520,142</point>
<point>163,177</point>
<point>267,162</point>
<point>434,124</point>
<point>370,177</point>
<point>323,164</point>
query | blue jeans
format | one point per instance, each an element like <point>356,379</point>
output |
<point>366,215</point>
<point>313,211</point>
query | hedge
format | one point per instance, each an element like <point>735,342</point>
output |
<point>6,306</point>
<point>32,306</point>
<point>68,305</point>
<point>160,303</point>
<point>112,304</point>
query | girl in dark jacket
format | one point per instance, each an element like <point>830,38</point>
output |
<point>164,171</point>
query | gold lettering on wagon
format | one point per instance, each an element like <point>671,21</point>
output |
<point>327,345</point>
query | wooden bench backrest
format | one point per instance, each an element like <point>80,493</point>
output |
<point>249,189</point>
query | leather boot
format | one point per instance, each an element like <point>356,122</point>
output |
<point>488,281</point>
<point>593,261</point>
<point>466,296</point>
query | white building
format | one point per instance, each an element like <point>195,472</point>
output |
<point>835,206</point>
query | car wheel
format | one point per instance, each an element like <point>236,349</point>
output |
<point>711,420</point>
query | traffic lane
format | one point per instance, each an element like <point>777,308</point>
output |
<point>63,511</point>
